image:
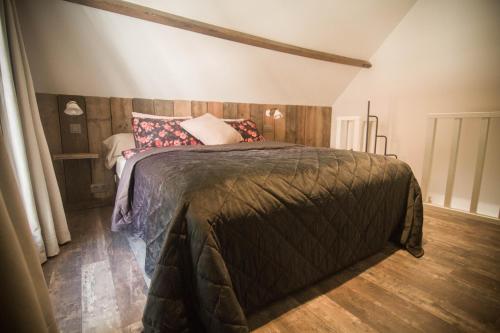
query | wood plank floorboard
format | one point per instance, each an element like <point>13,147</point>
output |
<point>96,284</point>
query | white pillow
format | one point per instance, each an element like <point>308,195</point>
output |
<point>230,120</point>
<point>211,130</point>
<point>114,145</point>
<point>152,116</point>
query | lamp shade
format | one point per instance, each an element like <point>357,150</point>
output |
<point>278,114</point>
<point>275,113</point>
<point>73,109</point>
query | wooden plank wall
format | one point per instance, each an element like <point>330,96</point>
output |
<point>308,125</point>
<point>83,183</point>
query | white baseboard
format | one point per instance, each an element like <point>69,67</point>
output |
<point>461,213</point>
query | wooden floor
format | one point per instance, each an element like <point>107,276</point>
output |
<point>97,286</point>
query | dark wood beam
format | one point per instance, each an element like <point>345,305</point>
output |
<point>161,17</point>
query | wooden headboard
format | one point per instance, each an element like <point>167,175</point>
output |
<point>87,183</point>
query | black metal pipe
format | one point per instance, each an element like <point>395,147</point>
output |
<point>385,143</point>
<point>368,116</point>
<point>376,134</point>
<point>367,127</point>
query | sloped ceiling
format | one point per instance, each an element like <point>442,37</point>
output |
<point>74,49</point>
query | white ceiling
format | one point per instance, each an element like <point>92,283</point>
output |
<point>74,49</point>
<point>352,28</point>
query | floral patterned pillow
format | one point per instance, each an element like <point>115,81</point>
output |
<point>160,133</point>
<point>247,129</point>
<point>131,152</point>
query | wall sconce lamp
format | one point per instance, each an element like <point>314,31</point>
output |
<point>275,113</point>
<point>72,109</point>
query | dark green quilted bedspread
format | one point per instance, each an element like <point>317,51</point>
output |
<point>231,228</point>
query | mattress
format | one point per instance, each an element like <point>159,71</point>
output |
<point>120,164</point>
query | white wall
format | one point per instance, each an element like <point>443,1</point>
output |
<point>444,56</point>
<point>73,49</point>
<point>441,57</point>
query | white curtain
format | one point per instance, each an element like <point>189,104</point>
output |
<point>26,143</point>
<point>24,301</point>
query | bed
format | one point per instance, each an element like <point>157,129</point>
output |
<point>231,228</point>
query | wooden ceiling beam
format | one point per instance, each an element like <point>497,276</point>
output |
<point>161,17</point>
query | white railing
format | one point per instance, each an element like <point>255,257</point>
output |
<point>350,132</point>
<point>352,140</point>
<point>485,118</point>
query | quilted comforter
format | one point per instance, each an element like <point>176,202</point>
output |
<point>231,228</point>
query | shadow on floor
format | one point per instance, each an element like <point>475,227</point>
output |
<point>294,300</point>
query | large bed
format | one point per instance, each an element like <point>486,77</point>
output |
<point>231,228</point>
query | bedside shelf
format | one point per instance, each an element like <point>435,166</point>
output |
<point>74,156</point>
